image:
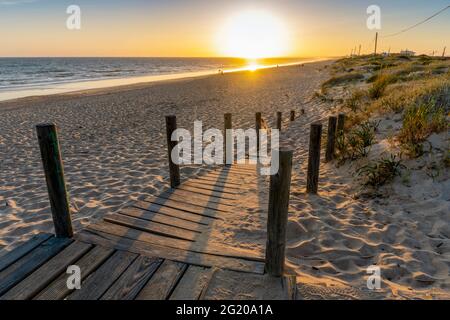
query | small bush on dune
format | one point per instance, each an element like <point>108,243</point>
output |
<point>355,144</point>
<point>378,173</point>
<point>418,123</point>
<point>380,84</point>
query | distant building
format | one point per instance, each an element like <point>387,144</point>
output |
<point>407,53</point>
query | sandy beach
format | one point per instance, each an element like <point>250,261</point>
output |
<point>114,151</point>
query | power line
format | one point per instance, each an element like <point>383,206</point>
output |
<point>418,24</point>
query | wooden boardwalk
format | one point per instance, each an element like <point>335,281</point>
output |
<point>157,248</point>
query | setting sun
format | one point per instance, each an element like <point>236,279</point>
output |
<point>252,35</point>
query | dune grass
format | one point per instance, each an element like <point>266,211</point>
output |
<point>342,79</point>
<point>378,87</point>
<point>379,172</point>
<point>419,122</point>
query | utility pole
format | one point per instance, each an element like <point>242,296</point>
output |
<point>359,51</point>
<point>443,52</point>
<point>376,42</point>
<point>389,52</point>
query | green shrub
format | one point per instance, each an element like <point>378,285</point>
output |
<point>379,172</point>
<point>356,143</point>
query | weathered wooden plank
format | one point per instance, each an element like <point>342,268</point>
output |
<point>152,227</point>
<point>218,184</point>
<point>192,284</point>
<point>212,188</point>
<point>227,204</point>
<point>14,255</point>
<point>30,262</point>
<point>177,205</point>
<point>134,234</point>
<point>194,205</point>
<point>133,279</point>
<point>201,259</point>
<point>113,229</point>
<point>224,176</point>
<point>207,192</point>
<point>160,286</point>
<point>151,207</point>
<point>231,178</point>
<point>99,281</point>
<point>197,201</point>
<point>238,170</point>
<point>163,219</point>
<point>35,282</point>
<point>88,263</point>
<point>216,178</point>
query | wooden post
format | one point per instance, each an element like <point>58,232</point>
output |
<point>312,180</point>
<point>340,124</point>
<point>278,215</point>
<point>171,126</point>
<point>54,176</point>
<point>331,138</point>
<point>376,43</point>
<point>292,115</point>
<point>279,120</point>
<point>228,139</point>
<point>258,126</point>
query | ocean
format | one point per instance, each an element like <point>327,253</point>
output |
<point>20,77</point>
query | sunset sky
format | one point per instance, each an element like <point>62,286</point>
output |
<point>201,28</point>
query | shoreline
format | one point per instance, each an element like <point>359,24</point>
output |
<point>109,84</point>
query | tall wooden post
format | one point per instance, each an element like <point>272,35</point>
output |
<point>443,52</point>
<point>258,125</point>
<point>228,138</point>
<point>280,184</point>
<point>376,42</point>
<point>54,176</point>
<point>312,180</point>
<point>171,126</point>
<point>331,138</point>
<point>340,124</point>
<point>279,120</point>
<point>292,115</point>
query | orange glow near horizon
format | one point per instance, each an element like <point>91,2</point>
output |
<point>253,35</point>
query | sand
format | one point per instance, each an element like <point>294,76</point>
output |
<point>114,151</point>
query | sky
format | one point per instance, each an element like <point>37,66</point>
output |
<point>207,28</point>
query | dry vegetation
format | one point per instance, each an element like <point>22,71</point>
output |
<point>414,89</point>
